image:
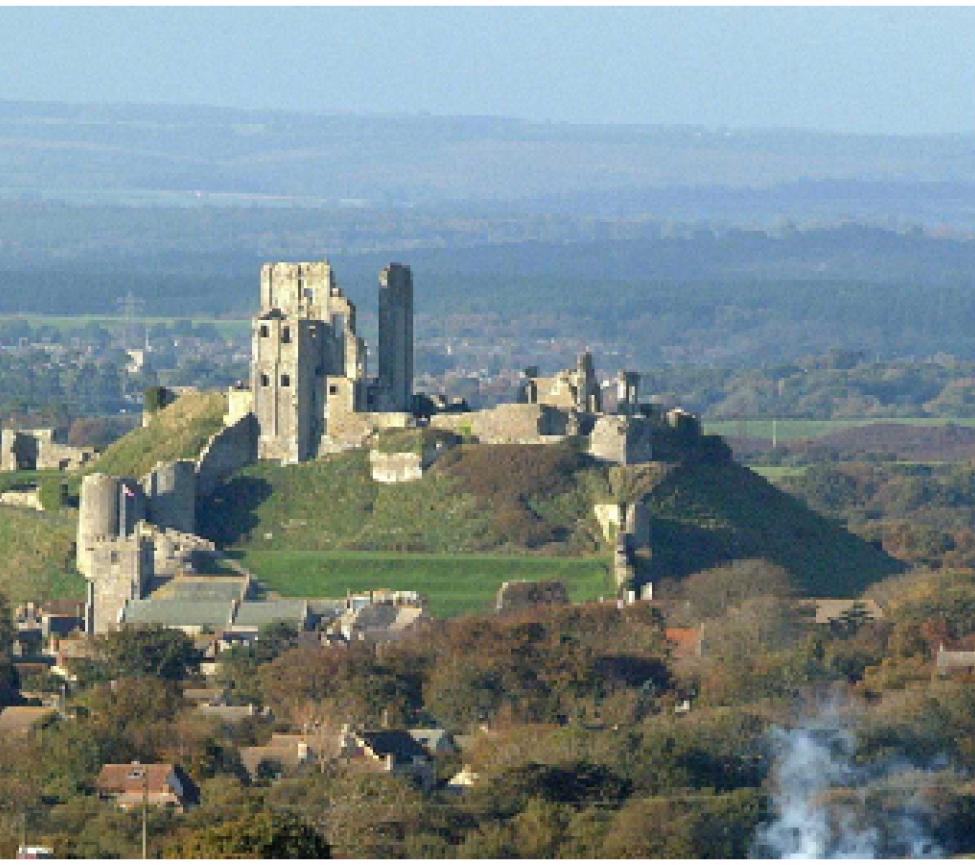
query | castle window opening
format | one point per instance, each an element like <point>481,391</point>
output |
<point>285,380</point>
<point>265,381</point>
<point>333,389</point>
<point>264,330</point>
<point>285,334</point>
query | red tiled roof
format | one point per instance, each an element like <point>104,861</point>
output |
<point>127,778</point>
<point>685,642</point>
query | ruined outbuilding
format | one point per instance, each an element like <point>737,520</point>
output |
<point>48,448</point>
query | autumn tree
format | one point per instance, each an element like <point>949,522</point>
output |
<point>713,592</point>
<point>146,650</point>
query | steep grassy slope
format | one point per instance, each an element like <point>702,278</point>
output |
<point>705,514</point>
<point>478,498</point>
<point>37,555</point>
<point>534,500</point>
<point>179,431</point>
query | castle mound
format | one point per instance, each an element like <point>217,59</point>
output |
<point>538,499</point>
<point>179,431</point>
<point>702,515</point>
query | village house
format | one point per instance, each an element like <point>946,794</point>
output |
<point>157,784</point>
<point>393,751</point>
<point>286,752</point>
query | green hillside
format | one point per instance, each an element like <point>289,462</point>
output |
<point>179,431</point>
<point>477,498</point>
<point>705,514</point>
<point>37,555</point>
<point>527,500</point>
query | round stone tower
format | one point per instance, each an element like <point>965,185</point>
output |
<point>98,515</point>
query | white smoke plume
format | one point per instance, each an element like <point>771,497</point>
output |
<point>828,807</point>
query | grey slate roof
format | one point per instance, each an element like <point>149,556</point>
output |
<point>326,608</point>
<point>435,739</point>
<point>259,613</point>
<point>208,590</point>
<point>398,743</point>
<point>176,613</point>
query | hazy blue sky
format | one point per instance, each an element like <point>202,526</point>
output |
<point>892,70</point>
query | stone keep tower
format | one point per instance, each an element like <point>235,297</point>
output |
<point>304,334</point>
<point>395,338</point>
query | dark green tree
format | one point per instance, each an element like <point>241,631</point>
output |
<point>263,835</point>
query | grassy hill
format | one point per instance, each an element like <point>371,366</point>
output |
<point>526,500</point>
<point>706,514</point>
<point>37,555</point>
<point>178,431</point>
<point>478,498</point>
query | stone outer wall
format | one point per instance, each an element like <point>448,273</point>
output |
<point>231,449</point>
<point>240,402</point>
<point>610,519</point>
<point>621,439</point>
<point>40,449</point>
<point>395,468</point>
<point>351,429</point>
<point>511,423</point>
<point>22,499</point>
<point>171,490</point>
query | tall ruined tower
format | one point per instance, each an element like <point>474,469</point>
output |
<point>395,338</point>
<point>112,553</point>
<point>304,334</point>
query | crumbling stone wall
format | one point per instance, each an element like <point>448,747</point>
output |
<point>30,449</point>
<point>229,450</point>
<point>171,491</point>
<point>622,439</point>
<point>401,467</point>
<point>576,389</point>
<point>512,423</point>
<point>349,429</point>
<point>395,468</point>
<point>22,499</point>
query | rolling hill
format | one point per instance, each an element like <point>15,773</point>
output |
<point>533,500</point>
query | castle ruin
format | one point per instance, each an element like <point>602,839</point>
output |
<point>310,395</point>
<point>310,392</point>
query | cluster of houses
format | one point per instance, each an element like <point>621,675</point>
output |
<point>405,753</point>
<point>49,635</point>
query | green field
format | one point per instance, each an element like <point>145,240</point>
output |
<point>227,327</point>
<point>454,584</point>
<point>788,429</point>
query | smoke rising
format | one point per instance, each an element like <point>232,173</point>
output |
<point>827,806</point>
